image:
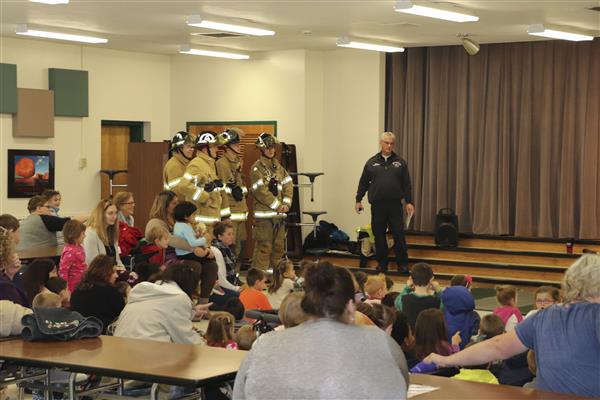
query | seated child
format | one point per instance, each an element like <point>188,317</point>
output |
<point>462,280</point>
<point>253,297</point>
<point>420,293</point>
<point>245,337</point>
<point>459,313</point>
<point>220,331</point>
<point>403,335</point>
<point>506,295</point>
<point>158,241</point>
<point>46,300</point>
<point>72,260</point>
<point>304,266</point>
<point>382,316</point>
<point>184,217</point>
<point>476,373</point>
<point>513,371</point>
<point>148,272</point>
<point>59,286</point>
<point>389,299</point>
<point>431,337</point>
<point>375,288</point>
<point>235,307</point>
<point>545,296</point>
<point>282,282</point>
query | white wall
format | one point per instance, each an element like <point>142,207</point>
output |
<point>329,104</point>
<point>353,119</point>
<point>122,86</point>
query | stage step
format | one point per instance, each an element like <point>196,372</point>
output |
<point>508,243</point>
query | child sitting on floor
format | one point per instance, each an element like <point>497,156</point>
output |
<point>220,331</point>
<point>382,316</point>
<point>403,335</point>
<point>545,296</point>
<point>59,286</point>
<point>459,313</point>
<point>431,337</point>
<point>375,288</point>
<point>282,282</point>
<point>508,311</point>
<point>421,293</point>
<point>46,300</point>
<point>253,297</point>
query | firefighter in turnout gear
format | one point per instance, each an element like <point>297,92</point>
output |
<point>272,191</point>
<point>201,185</point>
<point>229,170</point>
<point>182,151</point>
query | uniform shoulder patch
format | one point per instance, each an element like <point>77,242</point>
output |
<point>397,164</point>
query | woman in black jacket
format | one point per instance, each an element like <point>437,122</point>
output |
<point>96,295</point>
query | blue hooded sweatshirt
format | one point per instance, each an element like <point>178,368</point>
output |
<point>459,313</point>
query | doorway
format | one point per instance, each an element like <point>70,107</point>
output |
<point>116,136</point>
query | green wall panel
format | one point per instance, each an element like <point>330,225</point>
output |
<point>8,88</point>
<point>70,92</point>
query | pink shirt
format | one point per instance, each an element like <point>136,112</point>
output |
<point>72,264</point>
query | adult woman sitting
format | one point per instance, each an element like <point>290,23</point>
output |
<point>36,277</point>
<point>102,233</point>
<point>9,266</point>
<point>565,338</point>
<point>96,295</point>
<point>161,215</point>
<point>337,360</point>
<point>163,310</point>
<point>125,206</point>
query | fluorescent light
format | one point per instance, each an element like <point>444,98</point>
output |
<point>22,30</point>
<point>50,1</point>
<point>346,42</point>
<point>540,30</point>
<point>195,20</point>
<point>406,6</point>
<point>212,53</point>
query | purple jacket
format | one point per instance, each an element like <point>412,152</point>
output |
<point>8,291</point>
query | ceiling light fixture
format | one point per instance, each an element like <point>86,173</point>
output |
<point>195,20</point>
<point>406,6</point>
<point>540,30</point>
<point>50,1</point>
<point>345,41</point>
<point>470,46</point>
<point>185,49</point>
<point>23,30</point>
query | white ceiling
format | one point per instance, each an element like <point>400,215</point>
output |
<point>158,26</point>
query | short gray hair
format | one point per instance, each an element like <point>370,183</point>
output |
<point>582,279</point>
<point>388,134</point>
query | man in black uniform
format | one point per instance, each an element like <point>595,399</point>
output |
<point>387,180</point>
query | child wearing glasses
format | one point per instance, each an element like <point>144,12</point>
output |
<point>545,296</point>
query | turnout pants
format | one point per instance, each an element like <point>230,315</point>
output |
<point>384,214</point>
<point>269,243</point>
<point>239,231</point>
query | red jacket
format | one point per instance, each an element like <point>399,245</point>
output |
<point>129,236</point>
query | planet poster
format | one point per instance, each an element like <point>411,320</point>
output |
<point>30,172</point>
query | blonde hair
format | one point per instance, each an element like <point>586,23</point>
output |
<point>157,232</point>
<point>245,337</point>
<point>121,198</point>
<point>290,312</point>
<point>220,329</point>
<point>109,235</point>
<point>46,300</point>
<point>374,284</point>
<point>582,280</point>
<point>7,247</point>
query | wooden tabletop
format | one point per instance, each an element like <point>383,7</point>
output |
<point>40,252</point>
<point>145,360</point>
<point>454,389</point>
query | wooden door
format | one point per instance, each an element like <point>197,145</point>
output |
<point>115,140</point>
